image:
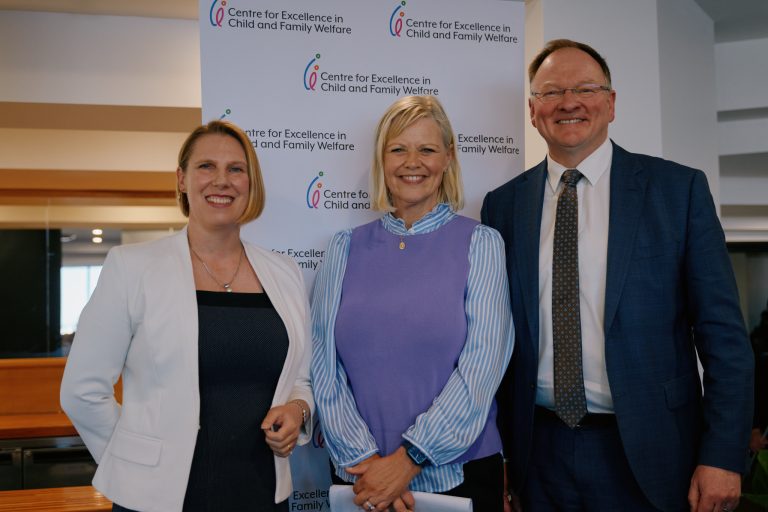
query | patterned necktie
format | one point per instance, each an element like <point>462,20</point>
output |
<point>570,400</point>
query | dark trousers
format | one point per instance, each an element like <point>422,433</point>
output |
<point>483,484</point>
<point>580,470</point>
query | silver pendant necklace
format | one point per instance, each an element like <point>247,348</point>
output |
<point>228,285</point>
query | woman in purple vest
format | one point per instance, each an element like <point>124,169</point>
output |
<point>412,328</point>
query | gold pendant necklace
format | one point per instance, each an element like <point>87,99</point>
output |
<point>228,285</point>
<point>402,243</point>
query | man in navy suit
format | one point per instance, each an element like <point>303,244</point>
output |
<point>651,285</point>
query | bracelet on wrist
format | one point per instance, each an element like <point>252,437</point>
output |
<point>304,412</point>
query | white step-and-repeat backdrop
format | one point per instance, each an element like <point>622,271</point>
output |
<point>309,80</point>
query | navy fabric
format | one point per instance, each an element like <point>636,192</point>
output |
<point>579,470</point>
<point>670,292</point>
<point>242,348</point>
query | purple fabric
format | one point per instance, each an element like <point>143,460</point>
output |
<point>401,326</point>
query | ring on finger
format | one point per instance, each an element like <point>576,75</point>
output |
<point>369,505</point>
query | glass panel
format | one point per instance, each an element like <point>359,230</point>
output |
<point>46,278</point>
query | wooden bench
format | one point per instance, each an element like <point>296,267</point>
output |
<point>29,398</point>
<point>61,499</point>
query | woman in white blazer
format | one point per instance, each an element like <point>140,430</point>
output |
<point>216,390</point>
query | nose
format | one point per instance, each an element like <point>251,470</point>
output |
<point>221,178</point>
<point>412,159</point>
<point>569,100</point>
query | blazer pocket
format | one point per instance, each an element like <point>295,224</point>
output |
<point>136,448</point>
<point>680,390</point>
<point>651,251</point>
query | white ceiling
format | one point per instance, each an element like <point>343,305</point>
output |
<point>734,19</point>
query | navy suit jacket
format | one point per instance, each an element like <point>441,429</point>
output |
<point>670,292</point>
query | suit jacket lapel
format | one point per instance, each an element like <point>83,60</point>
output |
<point>527,215</point>
<point>628,185</point>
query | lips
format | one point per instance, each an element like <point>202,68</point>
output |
<point>219,199</point>
<point>413,178</point>
<point>570,121</point>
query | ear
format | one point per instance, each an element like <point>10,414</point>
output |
<point>532,111</point>
<point>612,106</point>
<point>180,176</point>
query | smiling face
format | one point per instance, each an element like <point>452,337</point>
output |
<point>414,163</point>
<point>573,127</point>
<point>215,181</point>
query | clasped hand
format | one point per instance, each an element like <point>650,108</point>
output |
<point>383,482</point>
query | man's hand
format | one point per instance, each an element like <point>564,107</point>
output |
<point>757,442</point>
<point>714,489</point>
<point>511,501</point>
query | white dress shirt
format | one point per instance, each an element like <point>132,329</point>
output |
<point>594,204</point>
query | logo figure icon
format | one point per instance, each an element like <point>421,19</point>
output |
<point>396,20</point>
<point>313,192</point>
<point>225,114</point>
<point>310,73</point>
<point>217,18</point>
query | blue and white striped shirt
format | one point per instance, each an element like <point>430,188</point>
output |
<point>459,413</point>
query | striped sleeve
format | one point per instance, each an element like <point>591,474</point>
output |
<point>460,411</point>
<point>347,437</point>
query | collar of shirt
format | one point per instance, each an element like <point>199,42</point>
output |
<point>436,218</point>
<point>592,167</point>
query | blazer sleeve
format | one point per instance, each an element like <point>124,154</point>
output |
<point>97,357</point>
<point>302,387</point>
<point>719,335</point>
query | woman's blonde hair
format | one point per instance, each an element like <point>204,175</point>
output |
<point>398,117</point>
<point>256,198</point>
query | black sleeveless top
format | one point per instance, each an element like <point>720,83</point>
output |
<point>242,348</point>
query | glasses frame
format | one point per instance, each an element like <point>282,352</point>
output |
<point>578,91</point>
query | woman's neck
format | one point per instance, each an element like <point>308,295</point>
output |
<point>214,242</point>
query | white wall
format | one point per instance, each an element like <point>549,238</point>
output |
<point>688,99</point>
<point>625,33</point>
<point>742,72</point>
<point>105,60</point>
<point>742,102</point>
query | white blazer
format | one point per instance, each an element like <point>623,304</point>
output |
<point>141,321</point>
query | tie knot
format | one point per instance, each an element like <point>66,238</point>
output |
<point>571,177</point>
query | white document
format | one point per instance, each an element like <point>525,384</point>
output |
<point>341,497</point>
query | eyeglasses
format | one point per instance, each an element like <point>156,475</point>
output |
<point>583,92</point>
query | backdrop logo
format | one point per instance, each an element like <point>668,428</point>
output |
<point>225,114</point>
<point>310,73</point>
<point>216,16</point>
<point>396,20</point>
<point>313,192</point>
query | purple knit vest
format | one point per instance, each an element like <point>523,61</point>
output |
<point>401,327</point>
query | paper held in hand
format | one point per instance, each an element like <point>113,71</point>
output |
<point>341,497</point>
